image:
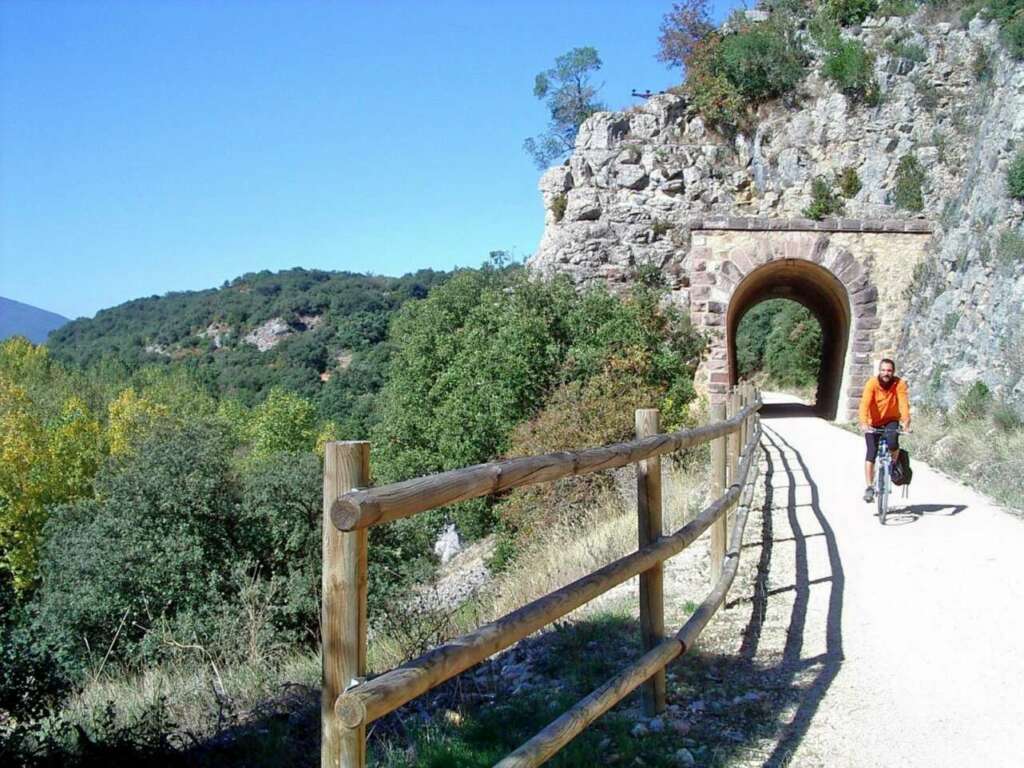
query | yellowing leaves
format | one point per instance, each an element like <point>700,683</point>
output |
<point>130,418</point>
<point>41,464</point>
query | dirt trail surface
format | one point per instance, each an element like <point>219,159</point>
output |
<point>886,646</point>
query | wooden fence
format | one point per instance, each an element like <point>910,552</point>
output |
<point>350,702</point>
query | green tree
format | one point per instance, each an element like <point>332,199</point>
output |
<point>780,340</point>
<point>153,546</point>
<point>570,97</point>
<point>282,422</point>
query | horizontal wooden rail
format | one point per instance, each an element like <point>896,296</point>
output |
<point>385,693</point>
<point>372,506</point>
<point>560,732</point>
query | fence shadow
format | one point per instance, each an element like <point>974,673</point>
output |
<point>782,456</point>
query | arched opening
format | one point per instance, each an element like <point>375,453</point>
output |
<point>820,292</point>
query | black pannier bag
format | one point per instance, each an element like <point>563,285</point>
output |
<point>901,472</point>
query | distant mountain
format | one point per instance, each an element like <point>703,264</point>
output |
<point>17,319</point>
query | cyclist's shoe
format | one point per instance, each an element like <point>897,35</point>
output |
<point>869,494</point>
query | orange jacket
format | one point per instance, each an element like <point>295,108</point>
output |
<point>879,406</point>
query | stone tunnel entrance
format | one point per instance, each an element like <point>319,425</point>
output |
<point>852,275</point>
<point>814,287</point>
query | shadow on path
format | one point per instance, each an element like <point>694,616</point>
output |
<point>787,411</point>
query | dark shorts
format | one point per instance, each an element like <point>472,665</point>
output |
<point>892,438</point>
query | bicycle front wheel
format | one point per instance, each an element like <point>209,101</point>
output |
<point>882,499</point>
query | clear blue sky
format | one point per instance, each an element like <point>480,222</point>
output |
<point>154,146</point>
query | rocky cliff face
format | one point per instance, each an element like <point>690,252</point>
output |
<point>627,195</point>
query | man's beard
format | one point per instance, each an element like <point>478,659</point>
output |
<point>886,383</point>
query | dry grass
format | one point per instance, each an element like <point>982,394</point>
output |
<point>574,547</point>
<point>973,450</point>
<point>201,696</point>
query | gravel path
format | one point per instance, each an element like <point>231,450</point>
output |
<point>897,645</point>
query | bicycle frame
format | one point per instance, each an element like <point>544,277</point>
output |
<point>883,479</point>
<point>883,482</point>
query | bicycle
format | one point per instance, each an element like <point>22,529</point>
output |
<point>883,477</point>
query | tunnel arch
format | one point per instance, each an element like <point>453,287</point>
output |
<point>851,272</point>
<point>821,292</point>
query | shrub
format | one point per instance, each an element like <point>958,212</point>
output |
<point>714,97</point>
<point>927,91</point>
<point>1010,248</point>
<point>1010,15</point>
<point>579,414</point>
<point>30,684</point>
<point>981,64</point>
<point>969,11</point>
<point>847,12</point>
<point>910,178</point>
<point>851,67</point>
<point>975,402</point>
<point>729,74</point>
<point>147,548</point>
<point>1012,36</point>
<point>899,47</point>
<point>761,61</point>
<point>849,182</point>
<point>558,206</point>
<point>177,545</point>
<point>824,200</point>
<point>1015,176</point>
<point>896,8</point>
<point>1006,418</point>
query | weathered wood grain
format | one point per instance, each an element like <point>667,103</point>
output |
<point>343,606</point>
<point>649,530</point>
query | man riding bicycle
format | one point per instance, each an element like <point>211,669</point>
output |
<point>885,405</point>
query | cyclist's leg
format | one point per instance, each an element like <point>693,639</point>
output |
<point>871,446</point>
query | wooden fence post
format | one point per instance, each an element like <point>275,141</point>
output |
<point>744,402</point>
<point>718,530</point>
<point>649,529</point>
<point>732,408</point>
<point>343,606</point>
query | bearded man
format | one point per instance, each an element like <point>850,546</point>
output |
<point>884,405</point>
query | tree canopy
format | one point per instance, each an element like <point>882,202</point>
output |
<point>570,97</point>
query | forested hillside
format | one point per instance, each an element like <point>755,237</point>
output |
<point>312,332</point>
